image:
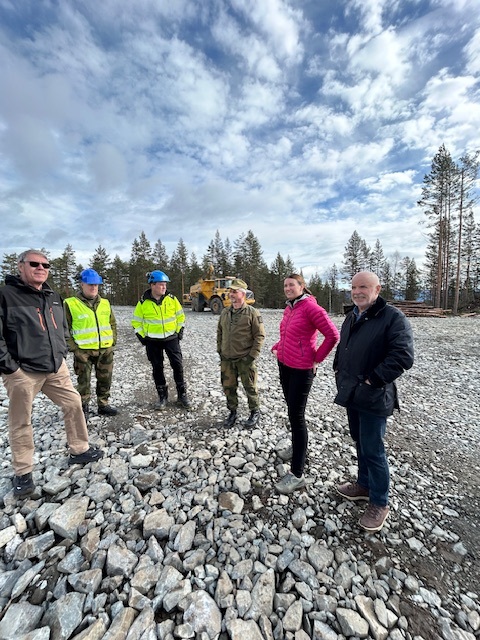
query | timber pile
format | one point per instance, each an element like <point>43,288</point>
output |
<point>414,309</point>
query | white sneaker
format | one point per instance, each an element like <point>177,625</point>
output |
<point>290,483</point>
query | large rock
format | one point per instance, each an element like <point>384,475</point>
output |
<point>69,516</point>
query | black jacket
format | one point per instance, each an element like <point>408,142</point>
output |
<point>32,328</point>
<point>378,348</point>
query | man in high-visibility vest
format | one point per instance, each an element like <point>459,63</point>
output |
<point>93,334</point>
<point>158,321</point>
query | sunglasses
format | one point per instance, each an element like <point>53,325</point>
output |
<point>34,263</point>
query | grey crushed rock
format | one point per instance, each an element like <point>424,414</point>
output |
<point>178,533</point>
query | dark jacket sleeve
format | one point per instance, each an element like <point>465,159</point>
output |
<point>258,334</point>
<point>7,363</point>
<point>113,324</point>
<point>398,352</point>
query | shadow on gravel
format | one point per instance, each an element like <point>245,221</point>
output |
<point>420,621</point>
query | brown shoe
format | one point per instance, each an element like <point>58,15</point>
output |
<point>352,491</point>
<point>374,517</point>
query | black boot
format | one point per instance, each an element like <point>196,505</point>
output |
<point>184,401</point>
<point>182,397</point>
<point>162,397</point>
<point>23,485</point>
<point>107,410</point>
<point>230,419</point>
<point>253,418</point>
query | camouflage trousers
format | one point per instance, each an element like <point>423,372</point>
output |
<point>246,370</point>
<point>102,361</point>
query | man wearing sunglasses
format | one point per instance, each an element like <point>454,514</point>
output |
<point>33,347</point>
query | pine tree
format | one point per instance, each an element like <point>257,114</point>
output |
<point>250,266</point>
<point>356,256</point>
<point>226,264</point>
<point>195,272</point>
<point>141,263</point>
<point>336,298</point>
<point>468,170</point>
<point>179,270</point>
<point>439,199</point>
<point>470,255</point>
<point>118,276</point>
<point>387,281</point>
<point>9,265</point>
<point>209,261</point>
<point>412,279</point>
<point>64,272</point>
<point>322,292</point>
<point>100,261</point>
<point>274,296</point>
<point>160,256</point>
<point>377,259</point>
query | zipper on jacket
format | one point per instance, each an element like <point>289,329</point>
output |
<point>53,318</point>
<point>40,317</point>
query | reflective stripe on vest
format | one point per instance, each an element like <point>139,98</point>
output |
<point>158,321</point>
<point>87,324</point>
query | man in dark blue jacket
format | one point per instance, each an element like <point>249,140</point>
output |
<point>32,359</point>
<point>375,348</point>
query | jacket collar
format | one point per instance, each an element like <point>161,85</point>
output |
<point>379,304</point>
<point>16,281</point>
<point>147,295</point>
<point>292,303</point>
<point>88,301</point>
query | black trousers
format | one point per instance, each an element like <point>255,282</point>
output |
<point>155,354</point>
<point>296,385</point>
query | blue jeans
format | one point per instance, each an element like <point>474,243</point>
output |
<point>368,432</point>
<point>296,385</point>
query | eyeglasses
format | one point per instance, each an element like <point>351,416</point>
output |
<point>34,263</point>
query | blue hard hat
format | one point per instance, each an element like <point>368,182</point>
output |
<point>157,276</point>
<point>90,276</point>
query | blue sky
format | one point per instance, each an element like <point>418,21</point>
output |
<point>300,120</point>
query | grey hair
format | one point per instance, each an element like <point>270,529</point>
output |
<point>24,254</point>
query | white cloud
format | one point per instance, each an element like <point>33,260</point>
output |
<point>109,168</point>
<point>472,52</point>
<point>180,118</point>
<point>278,23</point>
<point>445,92</point>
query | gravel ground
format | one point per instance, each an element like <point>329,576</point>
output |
<point>423,566</point>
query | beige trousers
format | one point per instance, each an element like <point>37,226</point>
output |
<point>22,387</point>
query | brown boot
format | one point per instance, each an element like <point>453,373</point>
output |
<point>374,517</point>
<point>352,491</point>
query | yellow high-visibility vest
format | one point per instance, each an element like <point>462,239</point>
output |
<point>158,321</point>
<point>90,329</point>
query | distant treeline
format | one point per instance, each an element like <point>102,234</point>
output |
<point>451,278</point>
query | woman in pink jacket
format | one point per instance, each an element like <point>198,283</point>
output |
<point>298,356</point>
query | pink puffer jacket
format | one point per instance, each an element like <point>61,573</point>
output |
<point>301,322</point>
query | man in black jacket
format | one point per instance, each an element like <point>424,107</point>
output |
<point>375,348</point>
<point>32,359</point>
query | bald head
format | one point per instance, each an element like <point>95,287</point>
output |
<point>365,289</point>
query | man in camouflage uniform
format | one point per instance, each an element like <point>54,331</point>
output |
<point>93,334</point>
<point>240,335</point>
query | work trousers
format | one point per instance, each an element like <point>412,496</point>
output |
<point>246,370</point>
<point>155,351</point>
<point>102,361</point>
<point>22,387</point>
<point>368,432</point>
<point>296,385</point>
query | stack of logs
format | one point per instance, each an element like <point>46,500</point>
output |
<point>414,309</point>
